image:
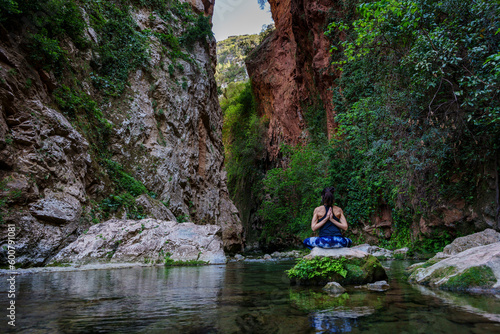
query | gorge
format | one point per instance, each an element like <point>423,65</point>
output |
<point>153,179</point>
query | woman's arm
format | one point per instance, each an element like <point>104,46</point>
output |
<point>343,222</point>
<point>315,225</point>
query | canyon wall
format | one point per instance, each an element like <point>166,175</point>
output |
<point>60,171</point>
<point>291,71</point>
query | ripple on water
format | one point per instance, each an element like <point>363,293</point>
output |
<point>237,298</point>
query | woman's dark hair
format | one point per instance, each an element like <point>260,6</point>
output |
<point>327,196</point>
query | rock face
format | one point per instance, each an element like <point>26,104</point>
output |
<point>166,134</point>
<point>146,241</point>
<point>476,268</point>
<point>361,267</point>
<point>461,244</point>
<point>291,69</point>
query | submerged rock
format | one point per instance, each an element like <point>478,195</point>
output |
<point>239,257</point>
<point>334,288</point>
<point>286,255</point>
<point>149,240</point>
<point>346,266</point>
<point>475,269</point>
<point>378,286</point>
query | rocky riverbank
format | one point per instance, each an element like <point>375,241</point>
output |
<point>470,263</point>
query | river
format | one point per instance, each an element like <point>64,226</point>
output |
<point>237,298</point>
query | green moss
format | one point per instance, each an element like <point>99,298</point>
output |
<point>354,271</point>
<point>474,277</point>
<point>318,268</point>
<point>430,262</point>
<point>58,264</point>
<point>169,262</point>
<point>437,275</point>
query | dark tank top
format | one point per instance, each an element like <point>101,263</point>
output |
<point>329,229</point>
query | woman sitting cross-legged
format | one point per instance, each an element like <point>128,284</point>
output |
<point>329,220</point>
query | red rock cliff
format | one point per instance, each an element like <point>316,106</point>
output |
<point>291,70</point>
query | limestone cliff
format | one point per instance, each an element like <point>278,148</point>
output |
<point>291,71</point>
<point>79,146</point>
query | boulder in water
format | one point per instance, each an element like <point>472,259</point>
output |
<point>147,241</point>
<point>334,288</point>
<point>343,265</point>
<point>475,269</point>
<point>486,237</point>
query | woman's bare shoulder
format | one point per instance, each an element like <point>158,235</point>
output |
<point>319,209</point>
<point>336,209</point>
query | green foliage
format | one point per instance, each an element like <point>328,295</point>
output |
<point>123,180</point>
<point>292,193</point>
<point>122,47</point>
<point>126,189</point>
<point>317,267</point>
<point>51,21</point>
<point>74,102</point>
<point>58,264</point>
<point>315,116</point>
<point>113,203</point>
<point>242,134</point>
<point>434,243</point>
<point>474,277</point>
<point>197,32</point>
<point>8,8</point>
<point>169,262</point>
<point>417,107</point>
<point>231,54</point>
<point>182,219</point>
<point>47,53</point>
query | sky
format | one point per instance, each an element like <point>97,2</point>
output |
<point>239,17</point>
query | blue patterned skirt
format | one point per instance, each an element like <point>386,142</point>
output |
<point>327,242</point>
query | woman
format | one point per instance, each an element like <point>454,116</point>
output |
<point>329,220</point>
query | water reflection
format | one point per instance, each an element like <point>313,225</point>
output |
<point>125,300</point>
<point>488,307</point>
<point>237,298</point>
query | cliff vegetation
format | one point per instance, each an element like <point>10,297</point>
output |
<point>108,109</point>
<point>414,150</point>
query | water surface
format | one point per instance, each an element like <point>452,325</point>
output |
<point>237,298</point>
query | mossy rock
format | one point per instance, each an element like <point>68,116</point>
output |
<point>346,271</point>
<point>422,265</point>
<point>481,277</point>
<point>476,270</point>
